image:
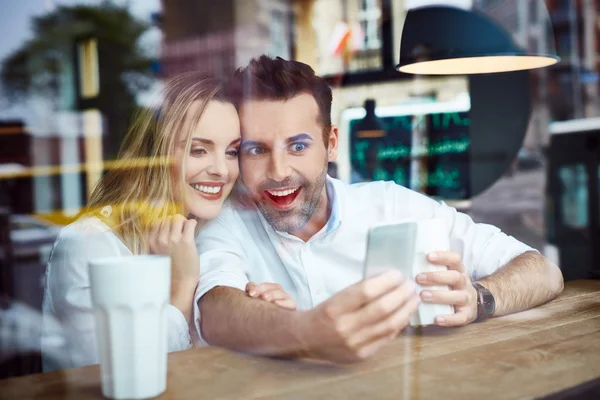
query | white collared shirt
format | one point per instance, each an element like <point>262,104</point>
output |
<point>240,246</point>
<point>67,295</point>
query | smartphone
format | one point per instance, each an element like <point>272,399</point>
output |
<point>390,246</point>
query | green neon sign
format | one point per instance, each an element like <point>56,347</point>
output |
<point>441,155</point>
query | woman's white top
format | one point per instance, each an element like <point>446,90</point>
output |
<point>68,327</point>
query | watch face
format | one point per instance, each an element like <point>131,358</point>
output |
<point>485,302</point>
<point>489,303</point>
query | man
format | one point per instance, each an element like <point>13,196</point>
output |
<point>307,232</point>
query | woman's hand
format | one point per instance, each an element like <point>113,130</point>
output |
<point>175,237</point>
<point>272,292</point>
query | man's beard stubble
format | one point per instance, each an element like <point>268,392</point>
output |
<point>296,219</point>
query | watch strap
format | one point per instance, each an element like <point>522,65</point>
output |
<point>486,303</point>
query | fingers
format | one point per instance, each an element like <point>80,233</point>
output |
<point>176,228</point>
<point>372,347</point>
<point>362,293</point>
<point>380,308</point>
<point>154,239</point>
<point>189,230</point>
<point>288,304</point>
<point>450,278</point>
<point>272,292</point>
<point>274,295</point>
<point>164,235</point>
<point>155,229</point>
<point>455,276</point>
<point>391,324</point>
<point>459,319</point>
<point>258,290</point>
<point>450,259</point>
<point>453,297</point>
<point>171,231</point>
<point>373,338</point>
<point>249,287</point>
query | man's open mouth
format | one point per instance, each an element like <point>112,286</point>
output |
<point>283,198</point>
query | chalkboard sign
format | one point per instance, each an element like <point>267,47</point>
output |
<point>428,153</point>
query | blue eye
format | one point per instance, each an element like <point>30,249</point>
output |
<point>298,147</point>
<point>255,151</point>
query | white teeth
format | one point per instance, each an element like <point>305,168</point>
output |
<point>281,193</point>
<point>207,189</point>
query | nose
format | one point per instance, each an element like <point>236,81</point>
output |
<point>218,167</point>
<point>279,169</point>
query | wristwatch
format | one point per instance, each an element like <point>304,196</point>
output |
<point>486,304</point>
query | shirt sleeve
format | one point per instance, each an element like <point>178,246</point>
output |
<point>179,337</point>
<point>484,248</point>
<point>222,263</point>
<point>68,295</point>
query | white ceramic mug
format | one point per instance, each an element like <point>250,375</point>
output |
<point>129,296</point>
<point>432,236</point>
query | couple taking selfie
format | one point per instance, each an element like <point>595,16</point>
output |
<point>267,251</point>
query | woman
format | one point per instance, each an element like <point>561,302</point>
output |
<point>175,169</point>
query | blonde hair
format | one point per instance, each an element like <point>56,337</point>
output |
<point>140,190</point>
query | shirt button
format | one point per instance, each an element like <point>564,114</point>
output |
<point>318,292</point>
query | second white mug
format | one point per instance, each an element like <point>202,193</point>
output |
<point>129,296</point>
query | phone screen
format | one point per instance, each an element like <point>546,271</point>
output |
<point>390,246</point>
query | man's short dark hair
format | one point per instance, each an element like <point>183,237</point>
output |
<point>276,79</point>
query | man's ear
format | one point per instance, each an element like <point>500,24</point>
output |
<point>332,144</point>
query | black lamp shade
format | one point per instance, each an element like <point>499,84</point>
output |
<point>443,40</point>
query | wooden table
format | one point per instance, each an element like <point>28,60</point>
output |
<point>525,355</point>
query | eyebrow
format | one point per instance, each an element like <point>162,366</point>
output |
<point>295,138</point>
<point>300,136</point>
<point>209,142</point>
<point>252,143</point>
<point>202,140</point>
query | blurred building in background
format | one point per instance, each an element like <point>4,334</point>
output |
<point>76,80</point>
<point>218,37</point>
<point>30,167</point>
<point>575,82</point>
<point>70,85</point>
<point>355,45</point>
<point>570,89</point>
<point>15,145</point>
<point>531,26</point>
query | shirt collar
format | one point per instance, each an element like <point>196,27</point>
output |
<point>335,219</point>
